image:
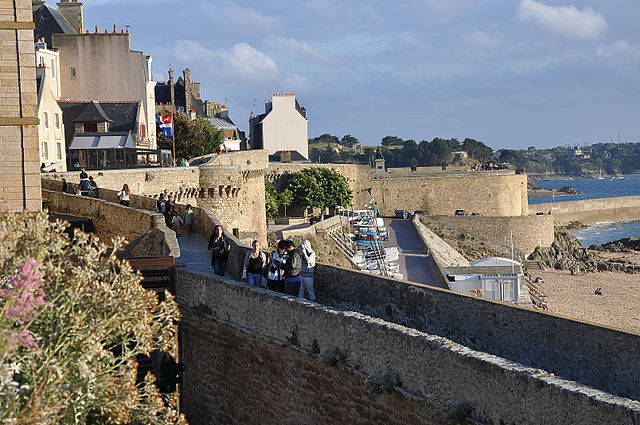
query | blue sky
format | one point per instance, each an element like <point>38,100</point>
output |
<point>511,73</point>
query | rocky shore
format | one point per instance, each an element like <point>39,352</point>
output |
<point>535,191</point>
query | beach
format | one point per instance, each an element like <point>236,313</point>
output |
<point>573,297</point>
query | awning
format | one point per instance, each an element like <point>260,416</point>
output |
<point>52,167</point>
<point>102,141</point>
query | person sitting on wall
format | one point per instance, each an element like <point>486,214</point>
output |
<point>93,188</point>
<point>65,188</point>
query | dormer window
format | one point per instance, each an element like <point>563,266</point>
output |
<point>91,127</point>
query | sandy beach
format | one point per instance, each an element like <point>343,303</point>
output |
<point>573,296</point>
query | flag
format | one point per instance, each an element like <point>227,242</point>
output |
<point>166,125</point>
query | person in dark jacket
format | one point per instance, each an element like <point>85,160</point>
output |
<point>220,248</point>
<point>65,188</point>
<point>161,204</point>
<point>84,186</point>
<point>292,265</point>
<point>275,274</point>
<point>93,188</point>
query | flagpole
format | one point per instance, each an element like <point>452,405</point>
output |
<point>173,134</point>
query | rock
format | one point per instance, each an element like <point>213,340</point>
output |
<point>570,190</point>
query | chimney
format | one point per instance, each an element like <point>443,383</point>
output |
<point>187,89</point>
<point>72,11</point>
<point>172,88</point>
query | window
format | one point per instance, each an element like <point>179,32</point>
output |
<point>91,127</point>
<point>41,60</point>
<point>45,150</point>
<point>73,73</point>
<point>53,69</point>
<point>58,149</point>
<point>45,119</point>
<point>56,120</point>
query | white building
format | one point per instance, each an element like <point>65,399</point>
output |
<point>232,140</point>
<point>51,128</point>
<point>283,128</point>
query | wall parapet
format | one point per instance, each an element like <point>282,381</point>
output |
<point>591,211</point>
<point>430,366</point>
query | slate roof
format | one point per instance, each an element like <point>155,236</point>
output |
<point>124,116</point>
<point>48,20</point>
<point>93,112</point>
<point>222,124</point>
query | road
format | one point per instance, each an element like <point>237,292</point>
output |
<point>412,260</point>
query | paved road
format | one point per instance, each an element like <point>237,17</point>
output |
<point>412,260</point>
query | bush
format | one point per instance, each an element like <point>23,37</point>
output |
<point>382,382</point>
<point>332,356</point>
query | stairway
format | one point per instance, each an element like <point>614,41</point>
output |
<point>533,265</point>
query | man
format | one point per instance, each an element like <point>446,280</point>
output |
<point>292,265</point>
<point>161,204</point>
<point>84,183</point>
<point>93,188</point>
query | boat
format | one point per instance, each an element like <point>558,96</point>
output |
<point>600,176</point>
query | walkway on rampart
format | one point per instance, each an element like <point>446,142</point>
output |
<point>412,260</point>
<point>194,253</point>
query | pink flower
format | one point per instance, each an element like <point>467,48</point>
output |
<point>26,295</point>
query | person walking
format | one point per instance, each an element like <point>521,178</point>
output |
<point>307,272</point>
<point>292,265</point>
<point>254,263</point>
<point>123,195</point>
<point>275,274</point>
<point>188,219</point>
<point>84,184</point>
<point>169,208</point>
<point>161,204</point>
<point>93,188</point>
<point>83,174</point>
<point>219,247</point>
<point>176,222</point>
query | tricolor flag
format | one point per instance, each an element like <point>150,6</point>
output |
<point>166,125</point>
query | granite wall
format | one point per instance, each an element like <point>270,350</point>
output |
<point>591,211</point>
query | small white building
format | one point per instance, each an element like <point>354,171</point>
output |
<point>282,128</point>
<point>495,278</point>
<point>232,140</point>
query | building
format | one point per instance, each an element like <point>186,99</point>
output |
<point>182,95</point>
<point>49,20</point>
<point>51,129</point>
<point>283,127</point>
<point>232,137</point>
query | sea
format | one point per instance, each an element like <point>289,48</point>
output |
<point>609,187</point>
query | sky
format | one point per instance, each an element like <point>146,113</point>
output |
<point>511,73</point>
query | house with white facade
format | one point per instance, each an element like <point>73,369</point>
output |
<point>51,129</point>
<point>282,129</point>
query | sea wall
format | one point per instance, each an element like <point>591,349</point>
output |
<point>528,232</point>
<point>598,356</point>
<point>591,211</point>
<point>247,354</point>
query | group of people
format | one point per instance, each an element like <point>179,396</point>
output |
<point>288,269</point>
<point>86,187</point>
<point>166,206</point>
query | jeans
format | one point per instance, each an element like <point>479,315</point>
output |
<point>292,286</point>
<point>255,279</point>
<point>307,282</point>
<point>219,266</point>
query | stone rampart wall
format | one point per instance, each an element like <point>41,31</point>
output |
<point>433,252</point>
<point>319,227</point>
<point>529,232</point>
<point>591,211</point>
<point>247,360</point>
<point>598,356</point>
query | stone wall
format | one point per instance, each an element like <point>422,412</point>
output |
<point>19,152</point>
<point>601,357</point>
<point>591,211</point>
<point>328,224</point>
<point>529,232</point>
<point>246,353</point>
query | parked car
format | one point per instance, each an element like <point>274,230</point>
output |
<point>460,212</point>
<point>403,214</point>
<point>475,213</point>
<point>539,213</point>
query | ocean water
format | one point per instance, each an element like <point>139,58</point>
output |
<point>599,233</point>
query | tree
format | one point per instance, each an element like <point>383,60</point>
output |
<point>392,141</point>
<point>319,188</point>
<point>508,155</point>
<point>348,139</point>
<point>193,137</point>
<point>73,320</point>
<point>325,138</point>
<point>477,150</point>
<point>285,197</point>
<point>271,199</point>
<point>214,138</point>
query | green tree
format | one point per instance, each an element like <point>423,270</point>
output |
<point>319,188</point>
<point>193,137</point>
<point>348,139</point>
<point>285,197</point>
<point>213,137</point>
<point>271,199</point>
<point>392,141</point>
<point>477,150</point>
<point>508,155</point>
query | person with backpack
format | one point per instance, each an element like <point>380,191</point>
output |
<point>220,248</point>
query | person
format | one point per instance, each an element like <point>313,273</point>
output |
<point>543,303</point>
<point>254,263</point>
<point>93,188</point>
<point>307,272</point>
<point>42,167</point>
<point>65,188</point>
<point>219,150</point>
<point>83,174</point>
<point>84,184</point>
<point>169,209</point>
<point>292,265</point>
<point>184,163</point>
<point>188,219</point>
<point>161,204</point>
<point>219,247</point>
<point>123,195</point>
<point>275,274</point>
<point>176,222</point>
<point>598,291</point>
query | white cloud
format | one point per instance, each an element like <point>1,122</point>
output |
<point>233,17</point>
<point>620,52</point>
<point>567,21</point>
<point>242,64</point>
<point>481,39</point>
<point>296,47</point>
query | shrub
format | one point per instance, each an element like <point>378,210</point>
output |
<point>382,382</point>
<point>332,356</point>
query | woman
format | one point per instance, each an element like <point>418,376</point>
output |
<point>219,247</point>
<point>169,208</point>
<point>123,195</point>
<point>176,222</point>
<point>308,267</point>
<point>275,274</point>
<point>65,188</point>
<point>188,218</point>
<point>254,263</point>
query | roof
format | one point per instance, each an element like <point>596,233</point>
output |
<point>83,141</point>
<point>124,116</point>
<point>295,157</point>
<point>484,271</point>
<point>221,124</point>
<point>496,261</point>
<point>48,20</point>
<point>92,112</point>
<point>163,93</point>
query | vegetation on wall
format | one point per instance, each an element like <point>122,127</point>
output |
<point>193,137</point>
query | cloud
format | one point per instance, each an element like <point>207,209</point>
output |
<point>481,40</point>
<point>296,47</point>
<point>620,52</point>
<point>566,21</point>
<point>295,82</point>
<point>242,64</point>
<point>233,17</point>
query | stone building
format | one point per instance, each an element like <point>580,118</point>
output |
<point>19,154</point>
<point>182,95</point>
<point>283,127</point>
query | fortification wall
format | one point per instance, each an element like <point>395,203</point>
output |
<point>529,232</point>
<point>246,352</point>
<point>601,357</point>
<point>591,211</point>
